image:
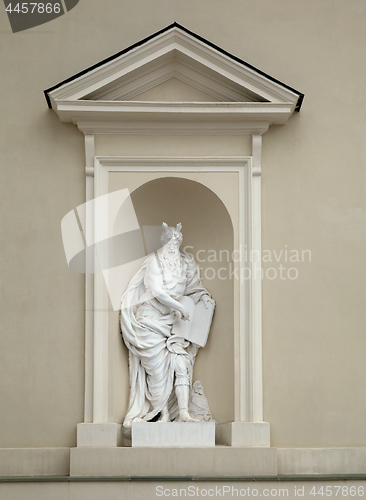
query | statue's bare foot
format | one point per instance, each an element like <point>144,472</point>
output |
<point>164,417</point>
<point>184,416</point>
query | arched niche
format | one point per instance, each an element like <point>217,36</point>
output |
<point>207,229</point>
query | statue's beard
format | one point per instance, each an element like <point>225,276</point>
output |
<point>170,258</point>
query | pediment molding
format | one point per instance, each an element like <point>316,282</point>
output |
<point>106,92</point>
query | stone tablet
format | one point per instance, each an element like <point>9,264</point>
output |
<point>197,328</point>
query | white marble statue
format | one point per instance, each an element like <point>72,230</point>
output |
<point>161,362</point>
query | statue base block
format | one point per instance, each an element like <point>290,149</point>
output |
<point>173,434</point>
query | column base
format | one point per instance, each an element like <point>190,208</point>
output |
<point>256,434</point>
<point>105,435</point>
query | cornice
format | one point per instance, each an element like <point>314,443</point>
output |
<point>171,128</point>
<point>133,111</point>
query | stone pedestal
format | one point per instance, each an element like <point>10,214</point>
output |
<point>255,434</point>
<point>173,434</point>
<point>106,435</point>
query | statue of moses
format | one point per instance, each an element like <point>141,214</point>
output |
<point>161,361</point>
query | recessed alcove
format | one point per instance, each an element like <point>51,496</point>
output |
<point>209,233</point>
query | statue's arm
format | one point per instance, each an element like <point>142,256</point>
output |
<point>154,283</point>
<point>195,289</point>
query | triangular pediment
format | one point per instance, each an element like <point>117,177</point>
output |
<point>182,69</point>
<point>174,90</point>
<point>171,67</point>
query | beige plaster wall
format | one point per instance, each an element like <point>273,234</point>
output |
<point>313,198</point>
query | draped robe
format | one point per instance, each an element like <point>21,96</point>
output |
<point>157,358</point>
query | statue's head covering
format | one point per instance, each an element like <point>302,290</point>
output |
<point>172,234</point>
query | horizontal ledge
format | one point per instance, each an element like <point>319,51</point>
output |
<point>83,479</point>
<point>273,113</point>
<point>172,160</point>
<point>158,108</point>
<point>182,106</point>
<point>315,461</point>
<point>285,464</point>
<point>219,461</point>
<point>34,461</point>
